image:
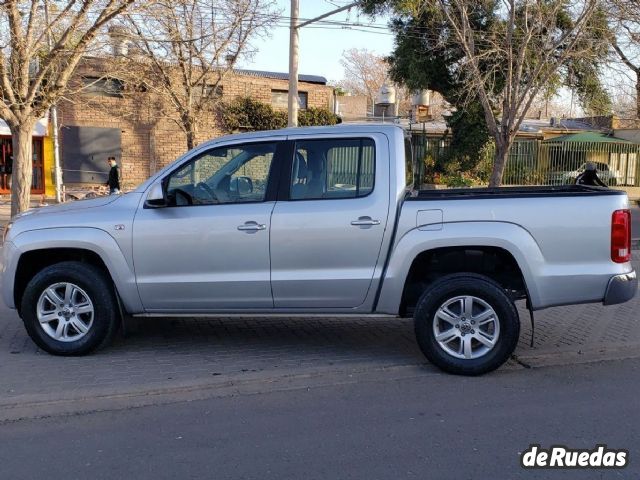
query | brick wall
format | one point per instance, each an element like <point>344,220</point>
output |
<point>150,140</point>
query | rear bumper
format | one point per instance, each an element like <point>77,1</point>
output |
<point>621,288</point>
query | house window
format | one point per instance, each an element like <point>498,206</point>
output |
<point>103,87</point>
<point>279,99</point>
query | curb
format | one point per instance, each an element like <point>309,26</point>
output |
<point>612,352</point>
<point>25,407</point>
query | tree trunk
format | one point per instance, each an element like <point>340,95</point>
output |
<point>638,94</point>
<point>499,163</point>
<point>22,171</point>
<point>191,130</point>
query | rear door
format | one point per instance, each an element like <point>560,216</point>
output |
<point>328,225</point>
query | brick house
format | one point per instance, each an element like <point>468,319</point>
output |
<point>99,120</point>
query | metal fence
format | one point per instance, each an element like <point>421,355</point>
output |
<point>536,162</point>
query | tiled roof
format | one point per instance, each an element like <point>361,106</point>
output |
<point>281,76</point>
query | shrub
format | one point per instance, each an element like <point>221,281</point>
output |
<point>247,114</point>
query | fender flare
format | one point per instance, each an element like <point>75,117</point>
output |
<point>86,238</point>
<point>508,236</point>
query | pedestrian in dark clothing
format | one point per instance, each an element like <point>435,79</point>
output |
<point>114,177</point>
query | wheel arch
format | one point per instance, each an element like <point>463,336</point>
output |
<point>37,249</point>
<point>469,244</point>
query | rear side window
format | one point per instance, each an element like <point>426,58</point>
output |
<point>329,169</point>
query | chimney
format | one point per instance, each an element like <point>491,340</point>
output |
<point>119,44</point>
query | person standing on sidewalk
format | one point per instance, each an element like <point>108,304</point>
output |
<point>114,177</point>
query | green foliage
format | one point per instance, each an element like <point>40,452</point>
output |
<point>316,116</point>
<point>424,58</point>
<point>247,114</point>
<point>427,55</point>
<point>584,74</point>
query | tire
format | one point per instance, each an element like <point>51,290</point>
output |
<point>92,301</point>
<point>475,357</point>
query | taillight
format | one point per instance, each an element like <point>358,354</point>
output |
<point>621,236</point>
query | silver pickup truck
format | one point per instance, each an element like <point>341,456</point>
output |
<point>317,221</point>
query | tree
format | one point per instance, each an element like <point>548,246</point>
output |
<point>625,40</point>
<point>185,48</point>
<point>33,76</point>
<point>364,73</point>
<point>499,54</point>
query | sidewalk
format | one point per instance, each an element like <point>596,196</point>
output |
<point>213,357</point>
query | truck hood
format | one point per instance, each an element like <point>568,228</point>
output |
<point>74,205</point>
<point>101,213</point>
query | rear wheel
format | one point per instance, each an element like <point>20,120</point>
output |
<point>466,324</point>
<point>70,309</point>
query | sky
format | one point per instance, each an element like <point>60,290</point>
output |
<point>320,48</point>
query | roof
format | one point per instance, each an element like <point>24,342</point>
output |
<point>280,76</point>
<point>587,137</point>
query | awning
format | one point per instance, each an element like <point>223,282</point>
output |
<point>40,130</point>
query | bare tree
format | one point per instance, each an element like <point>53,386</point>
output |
<point>625,19</point>
<point>364,73</point>
<point>507,66</point>
<point>33,76</point>
<point>185,48</point>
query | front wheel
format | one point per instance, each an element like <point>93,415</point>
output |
<point>70,309</point>
<point>466,324</point>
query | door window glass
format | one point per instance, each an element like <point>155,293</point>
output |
<point>233,174</point>
<point>326,169</point>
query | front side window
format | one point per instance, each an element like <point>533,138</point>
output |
<point>232,174</point>
<point>335,168</point>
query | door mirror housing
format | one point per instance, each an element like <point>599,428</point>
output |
<point>156,197</point>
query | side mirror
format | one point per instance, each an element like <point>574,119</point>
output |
<point>241,185</point>
<point>156,197</point>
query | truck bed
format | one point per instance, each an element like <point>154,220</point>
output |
<point>513,192</point>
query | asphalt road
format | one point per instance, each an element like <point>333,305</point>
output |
<point>635,222</point>
<point>426,426</point>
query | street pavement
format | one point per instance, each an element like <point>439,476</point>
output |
<point>414,425</point>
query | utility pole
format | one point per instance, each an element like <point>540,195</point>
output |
<point>54,120</point>
<point>294,38</point>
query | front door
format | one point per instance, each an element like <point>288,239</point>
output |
<point>209,249</point>
<point>327,234</point>
<point>6,165</point>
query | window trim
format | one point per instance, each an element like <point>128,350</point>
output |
<point>284,190</point>
<point>273,179</point>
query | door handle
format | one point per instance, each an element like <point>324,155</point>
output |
<point>252,227</point>
<point>365,222</point>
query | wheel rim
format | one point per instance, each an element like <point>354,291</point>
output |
<point>65,312</point>
<point>466,327</point>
